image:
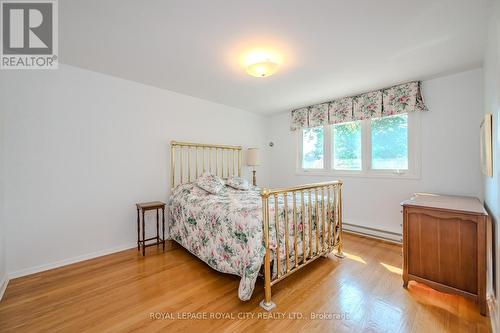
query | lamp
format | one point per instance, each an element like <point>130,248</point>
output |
<point>253,161</point>
<point>262,68</point>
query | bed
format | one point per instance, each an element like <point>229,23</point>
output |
<point>268,232</point>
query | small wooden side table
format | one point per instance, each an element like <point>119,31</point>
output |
<point>142,208</point>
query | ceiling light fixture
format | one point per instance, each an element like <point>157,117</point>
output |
<point>263,68</point>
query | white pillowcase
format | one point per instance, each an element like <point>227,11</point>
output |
<point>238,183</point>
<point>210,183</point>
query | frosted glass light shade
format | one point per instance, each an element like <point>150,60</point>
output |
<point>253,157</point>
<point>262,69</point>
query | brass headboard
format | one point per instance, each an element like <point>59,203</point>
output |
<point>192,159</point>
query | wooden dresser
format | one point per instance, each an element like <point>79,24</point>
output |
<point>444,244</point>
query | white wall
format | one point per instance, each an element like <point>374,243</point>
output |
<point>492,105</point>
<point>81,148</point>
<point>449,161</point>
<point>3,264</point>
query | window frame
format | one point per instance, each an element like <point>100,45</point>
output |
<point>414,153</point>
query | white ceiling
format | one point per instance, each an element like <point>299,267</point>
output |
<point>331,48</point>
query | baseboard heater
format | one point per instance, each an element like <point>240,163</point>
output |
<point>389,236</point>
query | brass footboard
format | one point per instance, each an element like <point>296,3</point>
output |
<point>313,230</point>
<point>312,225</point>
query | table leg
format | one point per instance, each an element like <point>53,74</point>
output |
<point>138,230</point>
<point>163,226</point>
<point>157,227</point>
<point>143,235</point>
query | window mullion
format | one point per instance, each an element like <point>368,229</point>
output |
<point>365,145</point>
<point>327,156</point>
<point>300,140</point>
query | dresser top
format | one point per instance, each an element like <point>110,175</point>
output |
<point>446,202</point>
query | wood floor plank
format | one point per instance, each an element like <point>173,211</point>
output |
<point>120,292</point>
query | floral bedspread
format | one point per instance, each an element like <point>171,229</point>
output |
<point>226,231</point>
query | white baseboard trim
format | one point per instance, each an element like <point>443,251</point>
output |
<point>3,285</point>
<point>494,315</point>
<point>388,236</point>
<point>64,262</point>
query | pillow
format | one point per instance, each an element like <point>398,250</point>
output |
<point>210,183</point>
<point>238,183</point>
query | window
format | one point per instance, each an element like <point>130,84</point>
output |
<point>390,143</point>
<point>372,147</point>
<point>347,146</point>
<point>313,148</point>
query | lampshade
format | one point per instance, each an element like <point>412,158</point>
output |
<point>263,68</point>
<point>253,157</point>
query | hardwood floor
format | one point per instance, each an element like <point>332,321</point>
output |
<point>122,291</point>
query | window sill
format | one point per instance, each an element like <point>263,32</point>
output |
<point>354,174</point>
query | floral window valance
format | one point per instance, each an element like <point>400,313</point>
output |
<point>402,98</point>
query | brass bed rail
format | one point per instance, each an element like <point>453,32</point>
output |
<point>318,205</point>
<point>320,209</point>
